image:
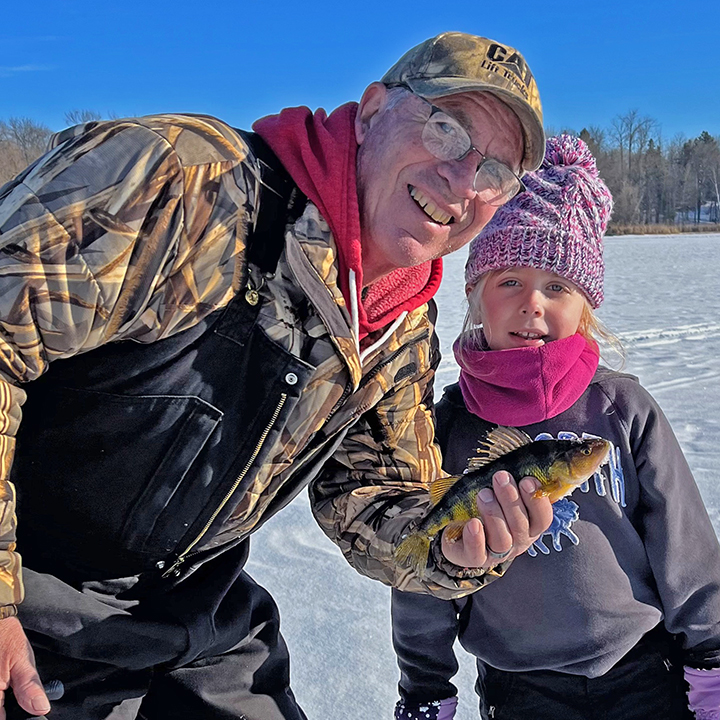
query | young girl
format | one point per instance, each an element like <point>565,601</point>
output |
<point>620,598</point>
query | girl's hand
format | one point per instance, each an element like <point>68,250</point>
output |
<point>512,519</point>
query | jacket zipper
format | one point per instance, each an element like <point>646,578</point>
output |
<point>373,373</point>
<point>348,389</point>
<point>390,358</point>
<point>186,553</point>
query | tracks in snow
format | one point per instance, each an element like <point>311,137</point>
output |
<point>666,336</point>
<point>653,337</point>
<point>683,381</point>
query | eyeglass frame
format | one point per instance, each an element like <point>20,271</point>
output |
<point>435,109</point>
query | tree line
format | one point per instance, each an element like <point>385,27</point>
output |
<point>23,140</point>
<point>657,185</point>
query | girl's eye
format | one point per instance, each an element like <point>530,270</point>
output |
<point>557,287</point>
<point>509,283</point>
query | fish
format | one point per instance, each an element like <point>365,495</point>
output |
<point>560,466</point>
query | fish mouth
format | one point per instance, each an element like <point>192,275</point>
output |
<point>606,459</point>
<point>435,213</point>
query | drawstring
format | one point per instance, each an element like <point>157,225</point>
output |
<point>384,337</point>
<point>355,319</point>
<point>354,312</point>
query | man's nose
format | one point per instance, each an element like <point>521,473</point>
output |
<point>460,175</point>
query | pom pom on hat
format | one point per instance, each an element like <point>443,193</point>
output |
<point>557,224</point>
<point>568,150</point>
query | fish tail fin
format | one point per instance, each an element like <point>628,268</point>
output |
<point>413,552</point>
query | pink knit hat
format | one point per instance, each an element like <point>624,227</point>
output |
<point>556,225</point>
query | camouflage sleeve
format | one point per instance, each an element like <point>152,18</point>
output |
<point>124,229</point>
<point>377,483</point>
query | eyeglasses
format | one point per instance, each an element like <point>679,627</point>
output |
<point>445,138</point>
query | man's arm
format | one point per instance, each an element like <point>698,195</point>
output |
<point>377,483</point>
<point>130,229</point>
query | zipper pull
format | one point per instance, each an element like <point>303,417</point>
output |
<point>174,569</point>
<point>252,289</point>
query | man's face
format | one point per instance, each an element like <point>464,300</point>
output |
<point>413,206</point>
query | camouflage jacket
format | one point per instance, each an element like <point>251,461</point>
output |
<point>135,229</point>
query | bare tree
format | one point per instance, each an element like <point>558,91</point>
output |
<point>76,117</point>
<point>632,133</point>
<point>29,137</point>
<point>21,141</point>
<point>11,161</point>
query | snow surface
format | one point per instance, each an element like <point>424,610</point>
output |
<point>662,299</point>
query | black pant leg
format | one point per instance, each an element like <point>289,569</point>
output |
<point>244,673</point>
<point>92,691</point>
<point>532,696</point>
<point>91,641</point>
<point>207,647</point>
<point>647,684</point>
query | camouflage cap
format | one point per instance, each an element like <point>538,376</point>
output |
<point>455,62</point>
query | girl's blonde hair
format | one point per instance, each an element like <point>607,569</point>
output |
<point>590,327</point>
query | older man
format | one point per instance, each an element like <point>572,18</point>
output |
<point>236,315</point>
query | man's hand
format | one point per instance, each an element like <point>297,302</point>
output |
<point>17,670</point>
<point>512,519</point>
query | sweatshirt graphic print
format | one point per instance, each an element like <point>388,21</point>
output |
<point>566,511</point>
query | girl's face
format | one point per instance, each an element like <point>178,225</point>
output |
<point>526,307</point>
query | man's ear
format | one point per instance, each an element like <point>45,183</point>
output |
<point>373,100</point>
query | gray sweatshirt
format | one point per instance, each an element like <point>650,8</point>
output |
<point>632,548</point>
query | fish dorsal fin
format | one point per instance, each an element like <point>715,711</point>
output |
<point>498,442</point>
<point>439,487</point>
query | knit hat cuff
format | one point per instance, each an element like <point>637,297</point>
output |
<point>553,250</point>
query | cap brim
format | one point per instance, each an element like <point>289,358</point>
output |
<point>533,132</point>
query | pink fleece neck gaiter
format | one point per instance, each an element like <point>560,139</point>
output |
<point>522,386</point>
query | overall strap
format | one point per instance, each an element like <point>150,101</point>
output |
<point>281,202</point>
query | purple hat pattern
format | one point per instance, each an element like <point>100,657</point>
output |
<point>557,224</point>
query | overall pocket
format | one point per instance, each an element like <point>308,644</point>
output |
<point>99,468</point>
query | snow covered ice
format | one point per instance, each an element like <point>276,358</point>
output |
<point>662,299</point>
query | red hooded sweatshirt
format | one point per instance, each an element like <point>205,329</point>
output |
<point>320,154</point>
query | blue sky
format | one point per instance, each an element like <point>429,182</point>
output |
<point>243,59</point>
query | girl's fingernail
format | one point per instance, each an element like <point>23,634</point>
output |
<point>503,479</point>
<point>528,485</point>
<point>474,528</point>
<point>487,495</point>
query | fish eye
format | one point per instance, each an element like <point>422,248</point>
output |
<point>586,451</point>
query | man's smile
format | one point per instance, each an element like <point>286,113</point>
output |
<point>429,207</point>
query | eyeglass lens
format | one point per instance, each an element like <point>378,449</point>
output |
<point>446,139</point>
